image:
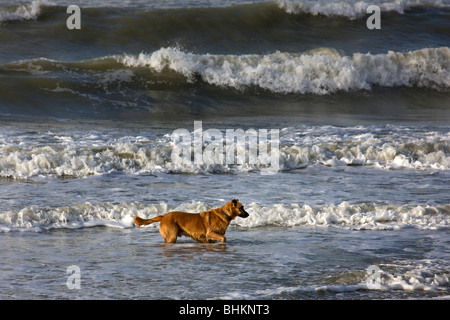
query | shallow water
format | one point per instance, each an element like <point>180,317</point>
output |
<point>263,263</point>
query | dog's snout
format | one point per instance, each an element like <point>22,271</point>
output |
<point>244,214</point>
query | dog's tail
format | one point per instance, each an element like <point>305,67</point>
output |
<point>141,222</point>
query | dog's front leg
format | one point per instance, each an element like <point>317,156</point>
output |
<point>214,236</point>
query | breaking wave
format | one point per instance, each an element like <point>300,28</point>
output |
<point>78,156</point>
<point>364,216</point>
<point>344,8</point>
<point>353,9</point>
<point>30,11</point>
<point>319,71</point>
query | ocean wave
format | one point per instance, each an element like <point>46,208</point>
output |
<point>364,216</point>
<point>353,9</point>
<point>419,277</point>
<point>319,71</point>
<point>253,12</point>
<point>30,11</point>
<point>381,148</point>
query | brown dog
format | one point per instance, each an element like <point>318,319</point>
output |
<point>206,226</point>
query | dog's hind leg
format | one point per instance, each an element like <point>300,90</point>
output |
<point>169,234</point>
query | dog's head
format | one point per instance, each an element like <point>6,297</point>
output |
<point>235,209</point>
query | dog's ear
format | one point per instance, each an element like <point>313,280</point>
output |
<point>235,201</point>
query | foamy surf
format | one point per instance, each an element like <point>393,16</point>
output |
<point>415,278</point>
<point>80,216</point>
<point>353,9</point>
<point>363,216</point>
<point>319,71</point>
<point>85,145</point>
<point>435,281</point>
<point>30,11</point>
<point>83,155</point>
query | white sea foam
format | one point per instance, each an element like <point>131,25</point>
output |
<point>422,275</point>
<point>380,147</point>
<point>29,11</point>
<point>83,155</point>
<point>365,216</point>
<point>415,280</point>
<point>79,216</point>
<point>319,71</point>
<point>355,216</point>
<point>353,9</point>
<point>87,215</point>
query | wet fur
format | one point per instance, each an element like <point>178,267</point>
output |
<point>208,226</point>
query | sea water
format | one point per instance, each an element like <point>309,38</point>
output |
<point>86,123</point>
